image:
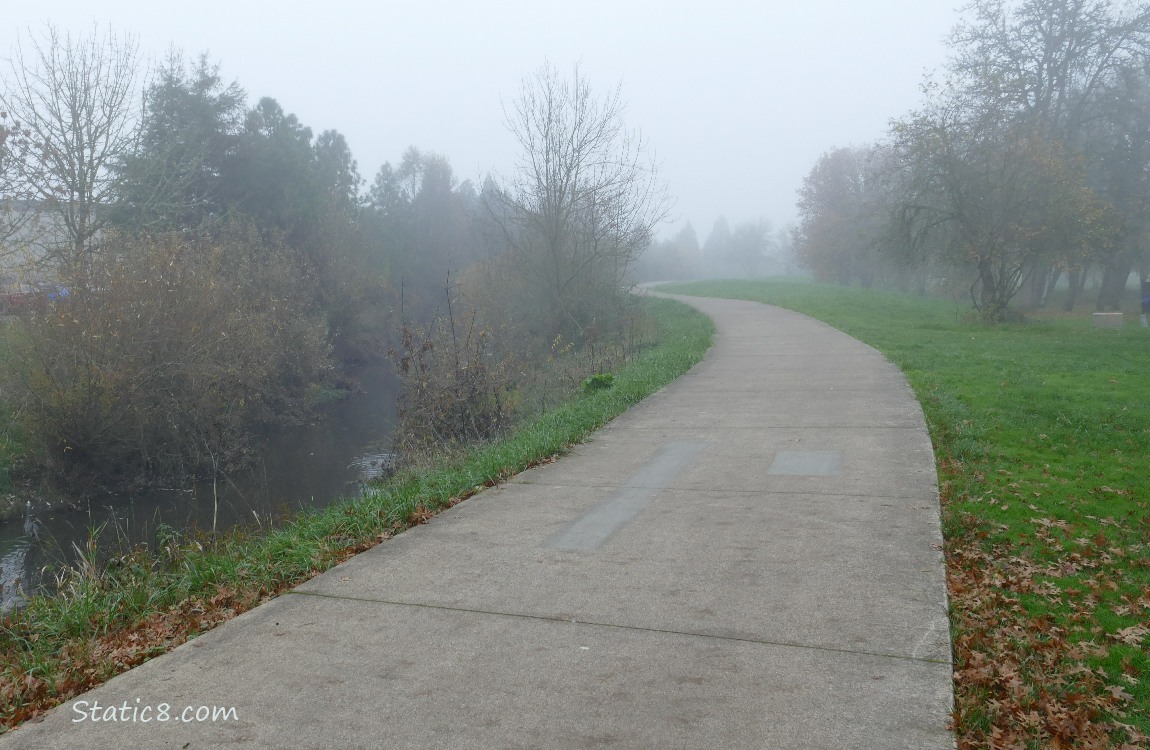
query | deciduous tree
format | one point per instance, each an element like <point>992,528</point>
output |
<point>76,98</point>
<point>992,194</point>
<point>1050,66</point>
<point>839,236</point>
<point>585,199</point>
<point>13,213</point>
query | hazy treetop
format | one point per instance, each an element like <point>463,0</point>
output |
<point>739,99</point>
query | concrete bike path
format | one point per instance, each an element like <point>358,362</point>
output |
<point>750,558</point>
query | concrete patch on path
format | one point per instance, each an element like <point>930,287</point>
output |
<point>750,558</point>
<point>593,527</point>
<point>807,463</point>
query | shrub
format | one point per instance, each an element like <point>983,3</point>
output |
<point>598,382</point>
<point>455,388</point>
<point>159,361</point>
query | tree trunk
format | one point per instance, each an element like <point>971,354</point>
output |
<point>1114,284</point>
<point>1051,285</point>
<point>1035,287</point>
<point>991,305</point>
<point>1076,280</point>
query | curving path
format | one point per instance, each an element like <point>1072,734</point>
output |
<point>748,559</point>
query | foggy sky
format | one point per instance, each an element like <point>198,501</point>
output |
<point>738,98</point>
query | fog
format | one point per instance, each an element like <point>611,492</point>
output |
<point>737,99</point>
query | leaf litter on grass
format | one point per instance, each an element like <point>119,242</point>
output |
<point>1041,433</point>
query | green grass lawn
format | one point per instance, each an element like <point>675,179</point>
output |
<point>1042,437</point>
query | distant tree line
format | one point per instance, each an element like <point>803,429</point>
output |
<point>750,249</point>
<point>1028,163</point>
<point>184,266</point>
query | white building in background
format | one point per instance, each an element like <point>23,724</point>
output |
<point>29,234</point>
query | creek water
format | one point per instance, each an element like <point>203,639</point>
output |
<point>303,467</point>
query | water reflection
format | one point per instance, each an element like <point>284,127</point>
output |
<point>304,467</point>
<point>15,571</point>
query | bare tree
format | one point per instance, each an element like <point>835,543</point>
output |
<point>19,218</point>
<point>1048,59</point>
<point>12,145</point>
<point>586,197</point>
<point>76,100</point>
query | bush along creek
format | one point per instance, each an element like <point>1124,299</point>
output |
<point>109,615</point>
<point>342,446</point>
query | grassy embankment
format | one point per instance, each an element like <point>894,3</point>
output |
<point>105,622</point>
<point>1042,437</point>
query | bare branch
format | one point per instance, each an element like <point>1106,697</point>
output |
<point>586,197</point>
<point>75,99</point>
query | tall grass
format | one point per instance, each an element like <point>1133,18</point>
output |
<point>1042,436</point>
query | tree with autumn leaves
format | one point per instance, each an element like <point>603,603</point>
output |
<point>1026,162</point>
